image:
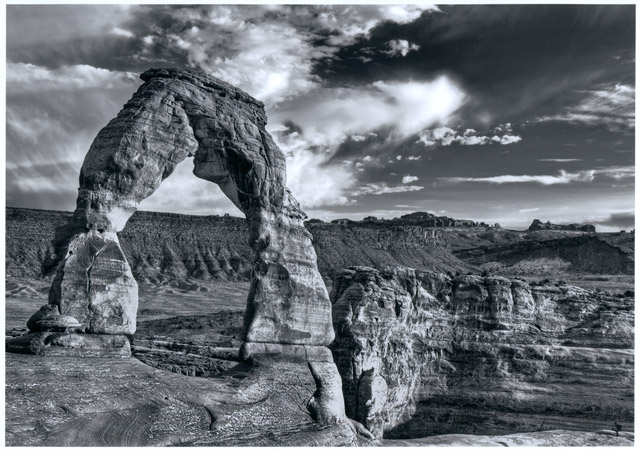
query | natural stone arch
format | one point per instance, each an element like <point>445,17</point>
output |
<point>177,114</point>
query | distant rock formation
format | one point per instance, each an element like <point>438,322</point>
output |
<point>539,225</point>
<point>418,218</point>
<point>476,354</point>
<point>181,250</point>
<point>425,219</point>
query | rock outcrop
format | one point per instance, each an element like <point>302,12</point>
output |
<point>177,114</point>
<point>422,353</point>
<point>539,225</point>
<point>174,115</point>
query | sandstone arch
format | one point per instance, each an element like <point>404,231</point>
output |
<point>177,114</point>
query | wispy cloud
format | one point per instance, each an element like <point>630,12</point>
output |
<point>612,105</point>
<point>409,178</point>
<point>560,160</point>
<point>562,178</point>
<point>121,32</point>
<point>404,108</point>
<point>445,136</point>
<point>377,189</point>
<point>23,78</point>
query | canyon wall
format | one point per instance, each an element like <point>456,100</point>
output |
<point>422,353</point>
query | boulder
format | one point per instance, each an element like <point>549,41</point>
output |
<point>46,311</point>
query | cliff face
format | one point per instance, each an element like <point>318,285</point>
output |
<point>367,243</point>
<point>580,253</point>
<point>421,353</point>
<point>164,248</point>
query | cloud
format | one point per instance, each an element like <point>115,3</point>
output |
<point>409,178</point>
<point>560,160</point>
<point>124,33</point>
<point>23,78</point>
<point>268,50</point>
<point>184,192</point>
<point>506,139</point>
<point>331,115</point>
<point>622,220</point>
<point>349,22</point>
<point>612,106</point>
<point>445,136</point>
<point>400,47</point>
<point>618,172</point>
<point>562,178</point>
<point>310,177</point>
<point>377,189</point>
<point>528,210</point>
<point>324,119</point>
<point>271,60</point>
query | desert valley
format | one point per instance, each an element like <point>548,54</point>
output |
<point>320,225</point>
<point>473,329</point>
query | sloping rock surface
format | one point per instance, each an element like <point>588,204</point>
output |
<point>53,401</point>
<point>422,353</point>
<point>546,438</point>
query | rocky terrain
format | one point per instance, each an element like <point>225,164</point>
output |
<point>534,380</point>
<point>182,251</point>
<point>93,299</point>
<point>423,354</point>
<point>215,331</point>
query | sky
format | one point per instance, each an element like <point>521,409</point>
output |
<point>496,113</point>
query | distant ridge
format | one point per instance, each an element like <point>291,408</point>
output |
<point>169,248</point>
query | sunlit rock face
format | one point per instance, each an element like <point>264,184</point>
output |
<point>177,114</point>
<point>422,353</point>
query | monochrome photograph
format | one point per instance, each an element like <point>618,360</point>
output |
<point>319,225</point>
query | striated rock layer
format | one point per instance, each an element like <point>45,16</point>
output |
<point>174,115</point>
<point>169,249</point>
<point>422,353</point>
<point>177,114</point>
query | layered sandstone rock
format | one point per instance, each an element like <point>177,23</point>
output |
<point>181,250</point>
<point>174,115</point>
<point>422,353</point>
<point>177,114</point>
